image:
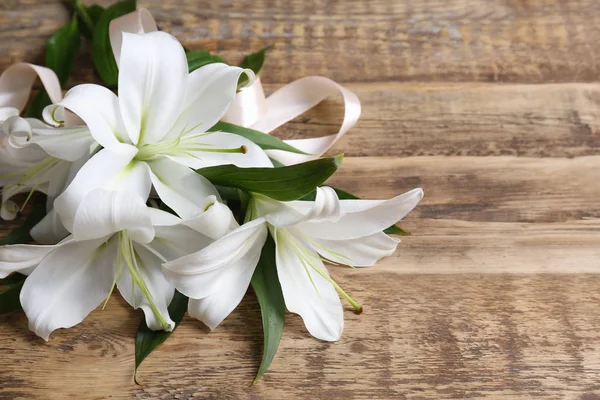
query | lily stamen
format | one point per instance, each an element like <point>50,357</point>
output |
<point>129,257</point>
<point>33,170</point>
<point>317,246</point>
<point>305,258</point>
<point>183,146</point>
<point>40,180</point>
<point>35,173</point>
<point>116,278</point>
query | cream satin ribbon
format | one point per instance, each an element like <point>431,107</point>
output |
<point>252,109</point>
<point>16,83</point>
<point>139,21</point>
<point>287,103</point>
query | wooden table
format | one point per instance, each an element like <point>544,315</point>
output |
<point>491,107</point>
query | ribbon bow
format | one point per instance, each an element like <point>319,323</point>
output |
<point>16,83</point>
<point>252,109</point>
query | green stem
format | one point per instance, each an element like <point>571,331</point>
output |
<point>130,258</point>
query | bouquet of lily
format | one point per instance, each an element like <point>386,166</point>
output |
<point>169,189</point>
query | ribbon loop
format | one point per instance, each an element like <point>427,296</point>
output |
<point>249,106</point>
<point>252,110</point>
<point>16,83</point>
<point>288,103</point>
<point>139,21</point>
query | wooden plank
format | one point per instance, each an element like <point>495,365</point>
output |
<point>420,337</point>
<point>493,296</point>
<point>460,247</point>
<point>442,318</point>
<point>488,214</point>
<point>433,119</point>
<point>481,189</point>
<point>354,41</point>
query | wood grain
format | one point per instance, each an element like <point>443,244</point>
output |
<point>491,107</point>
<point>443,319</point>
<point>358,41</point>
<point>482,189</point>
<point>420,337</point>
<point>466,119</point>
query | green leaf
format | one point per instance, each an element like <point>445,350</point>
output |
<point>200,58</point>
<point>88,18</point>
<point>272,306</point>
<point>256,60</point>
<point>37,104</point>
<point>264,141</point>
<point>236,200</point>
<point>61,50</point>
<point>101,49</point>
<point>12,279</point>
<point>276,163</point>
<point>9,298</point>
<point>147,340</point>
<point>232,194</point>
<point>342,195</point>
<point>21,234</point>
<point>396,230</point>
<point>285,183</point>
<point>228,193</point>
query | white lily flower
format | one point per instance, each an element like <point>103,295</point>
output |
<point>156,129</point>
<point>117,241</point>
<point>348,232</point>
<point>35,156</point>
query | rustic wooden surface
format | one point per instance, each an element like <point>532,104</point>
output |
<point>491,107</point>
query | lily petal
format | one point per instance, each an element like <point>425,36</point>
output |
<point>213,309</point>
<point>68,144</point>
<point>13,156</point>
<point>103,213</point>
<point>99,108</point>
<point>21,258</point>
<point>160,290</point>
<point>360,252</point>
<point>360,218</point>
<point>201,274</point>
<point>49,230</point>
<point>198,150</point>
<point>7,112</point>
<point>305,291</point>
<point>69,283</point>
<point>179,187</point>
<point>216,220</point>
<point>152,80</point>
<point>135,179</point>
<point>99,172</point>
<point>172,242</point>
<point>8,209</point>
<point>326,207</point>
<point>210,91</point>
<point>57,177</point>
<point>163,218</point>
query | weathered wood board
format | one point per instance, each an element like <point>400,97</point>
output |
<point>491,107</point>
